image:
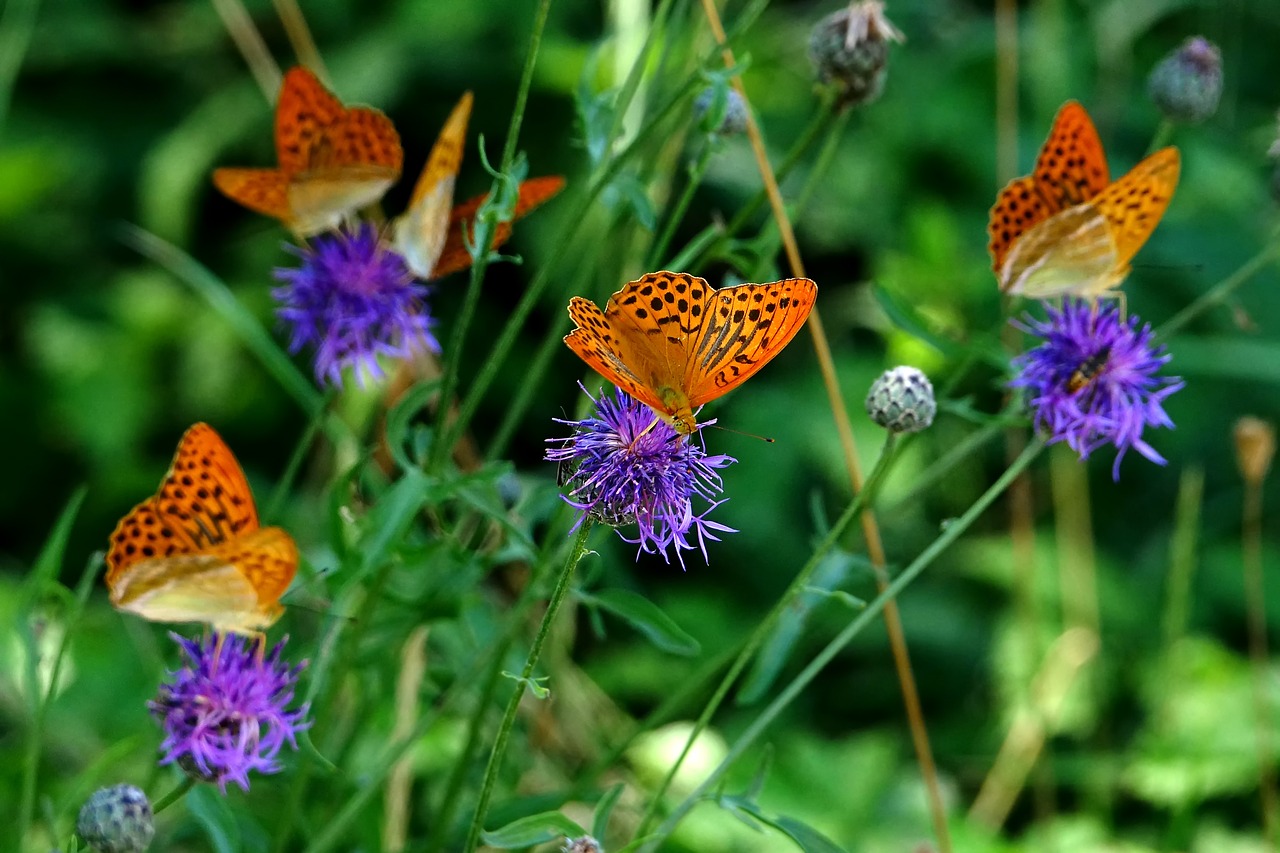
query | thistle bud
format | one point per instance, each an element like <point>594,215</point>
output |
<point>116,820</point>
<point>722,103</point>
<point>1187,84</point>
<point>849,49</point>
<point>901,400</point>
<point>1255,446</point>
<point>585,844</point>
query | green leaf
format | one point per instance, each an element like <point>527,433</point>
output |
<point>643,615</point>
<point>801,834</point>
<point>49,562</point>
<point>211,811</point>
<point>600,819</point>
<point>400,420</point>
<point>531,830</point>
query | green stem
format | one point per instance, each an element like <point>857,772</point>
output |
<point>558,596</point>
<point>1220,291</point>
<point>17,23</point>
<point>765,628</point>
<point>173,796</point>
<point>484,230</point>
<point>291,469</point>
<point>802,680</point>
<point>697,171</point>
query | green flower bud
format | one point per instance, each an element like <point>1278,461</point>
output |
<point>849,49</point>
<point>901,400</point>
<point>116,820</point>
<point>1187,84</point>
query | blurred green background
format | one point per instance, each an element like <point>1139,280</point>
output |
<point>117,113</point>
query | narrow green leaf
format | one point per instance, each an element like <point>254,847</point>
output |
<point>531,830</point>
<point>801,834</point>
<point>604,808</point>
<point>49,562</point>
<point>643,615</point>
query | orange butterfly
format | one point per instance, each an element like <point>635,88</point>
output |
<point>333,160</point>
<point>1066,229</point>
<point>195,553</point>
<point>673,342</point>
<point>430,235</point>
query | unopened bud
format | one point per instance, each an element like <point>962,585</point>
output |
<point>724,103</point>
<point>901,400</point>
<point>1187,84</point>
<point>116,820</point>
<point>1255,445</point>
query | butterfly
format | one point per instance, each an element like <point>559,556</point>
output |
<point>194,551</point>
<point>673,342</point>
<point>332,159</point>
<point>431,233</point>
<point>1067,229</point>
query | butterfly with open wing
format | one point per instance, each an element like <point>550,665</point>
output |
<point>1067,229</point>
<point>673,342</point>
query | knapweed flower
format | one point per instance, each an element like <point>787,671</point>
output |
<point>623,465</point>
<point>227,711</point>
<point>117,820</point>
<point>850,48</point>
<point>725,103</point>
<point>1187,84</point>
<point>353,299</point>
<point>1093,379</point>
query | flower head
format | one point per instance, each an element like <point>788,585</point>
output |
<point>850,48</point>
<point>226,712</point>
<point>1093,380</point>
<point>723,107</point>
<point>117,820</point>
<point>353,299</point>
<point>626,465</point>
<point>1187,84</point>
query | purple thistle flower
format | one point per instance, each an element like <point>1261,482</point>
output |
<point>1093,381</point>
<point>623,468</point>
<point>353,299</point>
<point>225,713</point>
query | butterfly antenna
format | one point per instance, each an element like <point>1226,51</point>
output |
<point>763,438</point>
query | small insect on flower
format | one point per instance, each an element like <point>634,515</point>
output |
<point>354,299</point>
<point>1093,380</point>
<point>623,464</point>
<point>226,712</point>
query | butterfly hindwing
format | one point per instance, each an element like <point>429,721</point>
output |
<point>1017,210</point>
<point>454,257</point>
<point>263,191</point>
<point>421,232</point>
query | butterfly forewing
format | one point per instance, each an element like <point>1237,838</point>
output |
<point>746,326</point>
<point>263,191</point>
<point>305,110</point>
<point>1072,166</point>
<point>1135,204</point>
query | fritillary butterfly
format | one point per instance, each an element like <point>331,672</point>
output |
<point>673,342</point>
<point>430,235</point>
<point>1068,230</point>
<point>194,551</point>
<point>332,160</point>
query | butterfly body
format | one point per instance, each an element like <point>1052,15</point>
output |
<point>674,343</point>
<point>1067,229</point>
<point>194,552</point>
<point>332,159</point>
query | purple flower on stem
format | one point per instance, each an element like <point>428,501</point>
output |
<point>226,712</point>
<point>1093,380</point>
<point>353,299</point>
<point>627,465</point>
